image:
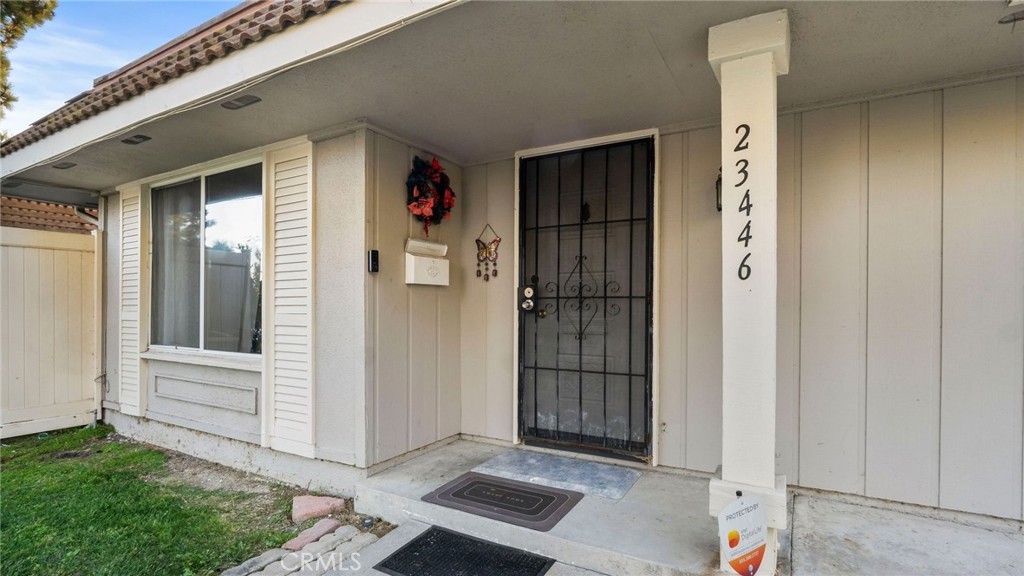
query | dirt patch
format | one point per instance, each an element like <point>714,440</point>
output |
<point>71,454</point>
<point>349,516</point>
<point>251,496</point>
<point>191,471</point>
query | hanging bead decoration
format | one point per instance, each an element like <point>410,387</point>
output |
<point>487,254</point>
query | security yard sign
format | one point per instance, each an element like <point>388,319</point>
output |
<point>743,532</point>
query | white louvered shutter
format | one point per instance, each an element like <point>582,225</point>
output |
<point>288,334</point>
<point>131,285</point>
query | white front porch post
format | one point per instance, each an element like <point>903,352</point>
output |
<point>747,55</point>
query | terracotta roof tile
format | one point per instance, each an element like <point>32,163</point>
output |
<point>202,49</point>
<point>22,213</point>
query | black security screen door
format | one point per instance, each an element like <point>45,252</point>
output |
<point>585,347</point>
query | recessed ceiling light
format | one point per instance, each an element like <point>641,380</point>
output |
<point>1012,17</point>
<point>241,102</point>
<point>64,165</point>
<point>137,139</point>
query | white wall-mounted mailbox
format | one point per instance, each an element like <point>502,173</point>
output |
<point>425,262</point>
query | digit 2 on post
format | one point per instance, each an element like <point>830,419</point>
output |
<point>742,166</point>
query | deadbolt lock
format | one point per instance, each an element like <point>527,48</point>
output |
<point>526,298</point>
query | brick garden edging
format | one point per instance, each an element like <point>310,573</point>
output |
<point>329,551</point>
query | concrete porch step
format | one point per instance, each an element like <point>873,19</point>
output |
<point>661,527</point>
<point>389,544</point>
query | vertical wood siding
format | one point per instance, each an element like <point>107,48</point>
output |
<point>833,239</point>
<point>672,319</point>
<point>703,300</point>
<point>288,342</point>
<point>982,299</point>
<point>488,308</point>
<point>904,298</point>
<point>415,330</point>
<point>787,404</point>
<point>901,300</point>
<point>47,319</point>
<point>478,392</point>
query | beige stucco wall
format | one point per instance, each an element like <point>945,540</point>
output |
<point>341,380</point>
<point>900,300</point>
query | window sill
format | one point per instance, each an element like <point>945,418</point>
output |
<point>233,361</point>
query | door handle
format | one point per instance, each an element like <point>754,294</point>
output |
<point>526,298</point>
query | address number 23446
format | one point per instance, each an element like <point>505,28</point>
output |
<point>743,172</point>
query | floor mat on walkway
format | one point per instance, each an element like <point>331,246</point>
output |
<point>520,503</point>
<point>560,472</point>
<point>441,552</point>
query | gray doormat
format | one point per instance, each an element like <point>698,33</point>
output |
<point>440,552</point>
<point>527,505</point>
<point>574,474</point>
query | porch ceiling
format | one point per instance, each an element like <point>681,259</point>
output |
<point>482,80</point>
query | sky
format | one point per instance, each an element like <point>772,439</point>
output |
<point>86,39</point>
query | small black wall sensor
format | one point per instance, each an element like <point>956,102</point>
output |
<point>373,259</point>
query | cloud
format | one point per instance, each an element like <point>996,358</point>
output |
<point>53,64</point>
<point>68,45</point>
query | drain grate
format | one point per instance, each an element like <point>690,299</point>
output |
<point>520,503</point>
<point>441,552</point>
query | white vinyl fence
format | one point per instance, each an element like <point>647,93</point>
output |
<point>47,330</point>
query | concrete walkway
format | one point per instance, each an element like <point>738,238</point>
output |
<point>389,544</point>
<point>835,537</point>
<point>662,526</point>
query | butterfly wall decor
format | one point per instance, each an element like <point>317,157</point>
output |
<point>487,254</point>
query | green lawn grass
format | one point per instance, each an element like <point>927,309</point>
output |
<point>74,503</point>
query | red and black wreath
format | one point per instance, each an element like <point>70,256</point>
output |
<point>430,194</point>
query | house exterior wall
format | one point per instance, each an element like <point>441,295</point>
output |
<point>489,308</point>
<point>401,355</point>
<point>388,370</point>
<point>342,377</point>
<point>900,300</point>
<point>982,366</point>
<point>203,398</point>
<point>900,295</point>
<point>111,298</point>
<point>413,343</point>
<point>220,401</point>
<point>211,392</point>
